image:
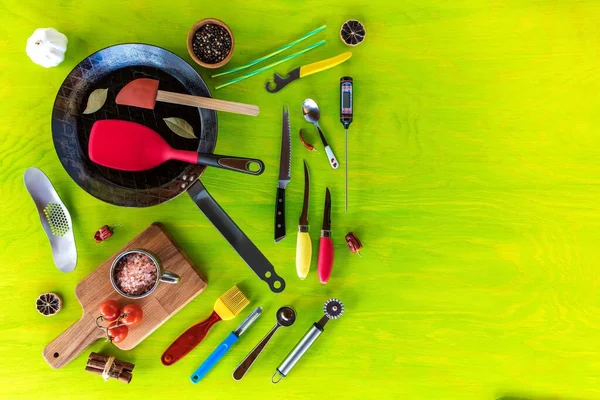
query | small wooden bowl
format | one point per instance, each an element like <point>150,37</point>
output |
<point>193,31</point>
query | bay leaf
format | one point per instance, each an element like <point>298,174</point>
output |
<point>96,101</point>
<point>180,127</point>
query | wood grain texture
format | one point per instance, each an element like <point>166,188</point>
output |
<point>208,103</point>
<point>474,187</point>
<point>158,307</point>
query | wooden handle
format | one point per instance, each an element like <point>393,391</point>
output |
<point>303,254</point>
<point>207,102</point>
<point>72,342</point>
<point>188,340</point>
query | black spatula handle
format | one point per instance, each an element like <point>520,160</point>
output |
<point>234,235</point>
<point>252,166</point>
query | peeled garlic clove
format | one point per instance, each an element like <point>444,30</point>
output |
<point>47,47</point>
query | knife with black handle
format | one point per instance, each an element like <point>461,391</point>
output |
<point>285,166</point>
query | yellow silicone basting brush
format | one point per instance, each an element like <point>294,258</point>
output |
<point>228,306</point>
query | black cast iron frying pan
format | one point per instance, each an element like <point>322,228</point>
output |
<point>111,68</point>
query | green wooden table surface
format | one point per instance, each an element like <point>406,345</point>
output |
<point>474,188</point>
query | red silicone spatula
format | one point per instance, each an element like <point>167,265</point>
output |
<point>128,146</point>
<point>144,93</point>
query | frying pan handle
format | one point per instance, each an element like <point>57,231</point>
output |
<point>250,166</point>
<point>234,235</point>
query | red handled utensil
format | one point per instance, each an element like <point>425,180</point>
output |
<point>129,146</point>
<point>227,307</point>
<point>325,264</point>
<point>144,93</point>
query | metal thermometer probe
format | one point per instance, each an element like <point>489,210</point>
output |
<point>346,116</point>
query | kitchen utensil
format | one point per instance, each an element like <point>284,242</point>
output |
<point>109,68</point>
<point>266,67</point>
<point>190,38</point>
<point>333,309</point>
<point>325,263</point>
<point>55,219</point>
<point>144,93</point>
<point>161,274</point>
<point>287,46</point>
<point>303,244</point>
<point>227,307</point>
<point>285,170</point>
<point>280,82</point>
<point>353,243</point>
<point>346,106</point>
<point>312,114</point>
<point>224,347</point>
<point>158,308</point>
<point>286,316</point>
<point>128,146</point>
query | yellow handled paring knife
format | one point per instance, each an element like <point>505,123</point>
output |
<point>280,82</point>
<point>303,244</point>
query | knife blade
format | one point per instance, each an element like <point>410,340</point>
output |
<point>325,263</point>
<point>303,244</point>
<point>285,167</point>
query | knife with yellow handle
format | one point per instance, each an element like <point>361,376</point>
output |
<point>280,82</point>
<point>303,244</point>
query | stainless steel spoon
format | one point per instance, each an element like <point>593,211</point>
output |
<point>286,316</point>
<point>312,114</point>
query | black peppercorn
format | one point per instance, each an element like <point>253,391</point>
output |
<point>211,43</point>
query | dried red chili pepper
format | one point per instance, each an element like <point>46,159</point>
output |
<point>353,243</point>
<point>103,233</point>
<point>306,144</point>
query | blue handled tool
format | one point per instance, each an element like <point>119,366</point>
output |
<point>224,347</point>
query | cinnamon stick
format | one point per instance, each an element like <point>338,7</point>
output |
<point>125,377</point>
<point>94,370</point>
<point>120,370</point>
<point>126,365</point>
<point>97,363</point>
<point>96,356</point>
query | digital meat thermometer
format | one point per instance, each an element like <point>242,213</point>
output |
<point>346,116</point>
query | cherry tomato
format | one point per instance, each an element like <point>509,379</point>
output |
<point>110,310</point>
<point>117,333</point>
<point>132,315</point>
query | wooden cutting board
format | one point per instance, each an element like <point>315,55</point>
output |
<point>158,307</point>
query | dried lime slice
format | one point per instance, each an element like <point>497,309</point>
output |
<point>48,304</point>
<point>353,32</point>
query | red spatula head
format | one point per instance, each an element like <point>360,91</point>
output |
<point>139,93</point>
<point>127,146</point>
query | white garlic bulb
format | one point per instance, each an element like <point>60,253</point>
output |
<point>47,47</point>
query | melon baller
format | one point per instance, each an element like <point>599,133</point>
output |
<point>333,309</point>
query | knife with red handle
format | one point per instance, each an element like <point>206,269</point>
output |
<point>325,264</point>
